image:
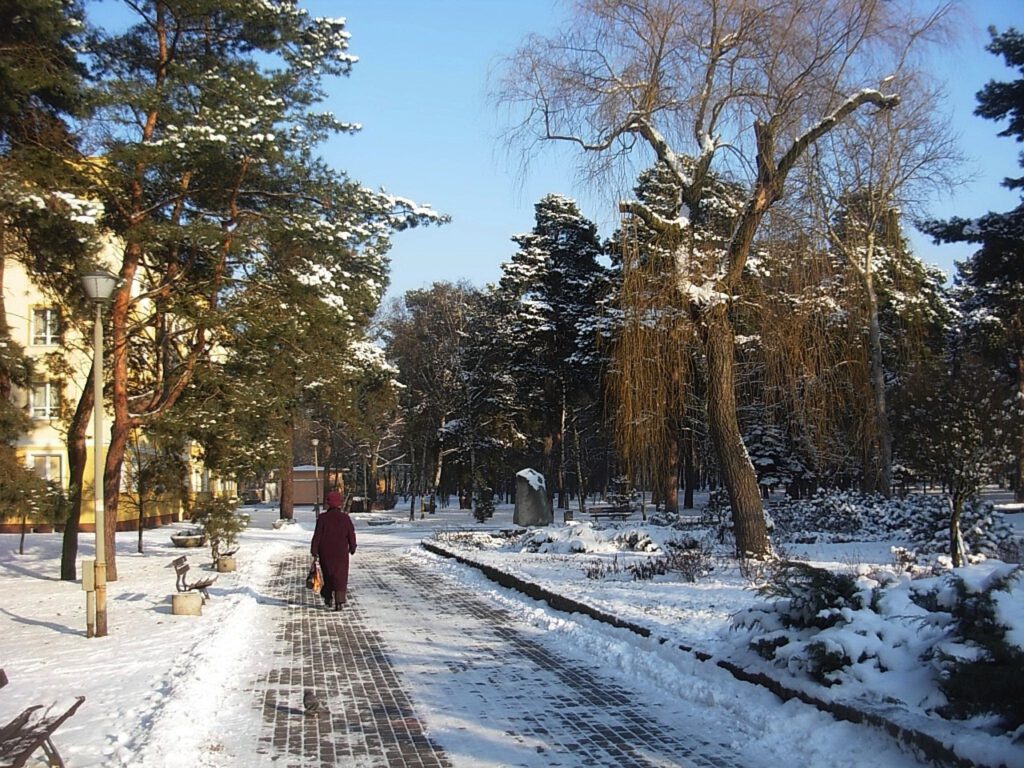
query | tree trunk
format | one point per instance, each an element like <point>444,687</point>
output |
<point>734,462</point>
<point>76,470</point>
<point>412,479</point>
<point>1019,480</point>
<point>374,469</point>
<point>142,507</point>
<point>582,480</point>
<point>670,475</point>
<point>287,503</point>
<point>119,433</point>
<point>438,459</point>
<point>563,500</point>
<point>689,469</point>
<point>884,484</point>
<point>956,542</point>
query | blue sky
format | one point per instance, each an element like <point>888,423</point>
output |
<point>429,132</point>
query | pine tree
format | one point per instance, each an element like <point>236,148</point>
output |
<point>46,220</point>
<point>994,275</point>
<point>552,287</point>
<point>208,170</point>
<point>424,334</point>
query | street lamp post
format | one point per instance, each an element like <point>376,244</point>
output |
<point>316,480</point>
<point>99,286</point>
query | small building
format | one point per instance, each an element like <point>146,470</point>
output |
<point>305,479</point>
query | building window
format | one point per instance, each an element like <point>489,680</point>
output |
<point>47,466</point>
<point>45,326</point>
<point>46,400</point>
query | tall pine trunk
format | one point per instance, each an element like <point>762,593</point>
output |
<point>582,479</point>
<point>119,433</point>
<point>563,494</point>
<point>438,459</point>
<point>77,455</point>
<point>287,501</point>
<point>734,461</point>
<point>1019,480</point>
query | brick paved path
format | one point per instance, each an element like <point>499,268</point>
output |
<point>366,718</point>
<point>413,662</point>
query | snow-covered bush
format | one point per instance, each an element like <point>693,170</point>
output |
<point>985,531</point>
<point>982,663</point>
<point>920,520</point>
<point>688,562</point>
<point>952,643</point>
<point>826,626</point>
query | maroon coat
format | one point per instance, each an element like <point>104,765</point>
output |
<point>333,541</point>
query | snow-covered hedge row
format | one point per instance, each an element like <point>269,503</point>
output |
<point>952,643</point>
<point>921,521</point>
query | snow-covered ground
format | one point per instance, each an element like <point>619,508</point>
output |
<point>147,683</point>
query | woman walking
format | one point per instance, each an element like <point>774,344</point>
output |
<point>334,540</point>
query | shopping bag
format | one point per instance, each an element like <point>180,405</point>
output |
<point>318,578</point>
<point>314,579</point>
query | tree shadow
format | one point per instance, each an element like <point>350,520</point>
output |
<point>63,629</point>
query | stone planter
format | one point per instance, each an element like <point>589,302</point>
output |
<point>187,604</point>
<point>226,564</point>
<point>191,538</point>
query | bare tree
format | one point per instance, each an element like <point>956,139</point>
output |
<point>746,86</point>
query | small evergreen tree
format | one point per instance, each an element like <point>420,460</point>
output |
<point>220,523</point>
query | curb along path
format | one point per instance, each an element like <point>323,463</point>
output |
<point>365,718</point>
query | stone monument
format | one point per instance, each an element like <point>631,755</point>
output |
<point>532,506</point>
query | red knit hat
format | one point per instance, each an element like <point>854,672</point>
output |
<point>335,500</point>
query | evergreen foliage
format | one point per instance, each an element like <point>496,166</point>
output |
<point>483,506</point>
<point>992,279</point>
<point>919,520</point>
<point>550,291</point>
<point>221,524</point>
<point>233,234</point>
<point>989,676</point>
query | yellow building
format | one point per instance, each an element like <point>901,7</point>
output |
<point>63,360</point>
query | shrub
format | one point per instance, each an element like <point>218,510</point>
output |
<point>812,597</point>
<point>483,510</point>
<point>920,520</point>
<point>989,676</point>
<point>220,523</point>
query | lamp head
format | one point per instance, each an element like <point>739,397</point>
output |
<point>99,285</point>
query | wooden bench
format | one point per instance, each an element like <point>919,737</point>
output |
<point>181,566</point>
<point>619,512</point>
<point>33,729</point>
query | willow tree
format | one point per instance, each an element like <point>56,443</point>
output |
<point>745,87</point>
<point>654,392</point>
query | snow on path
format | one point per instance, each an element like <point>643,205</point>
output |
<point>503,676</point>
